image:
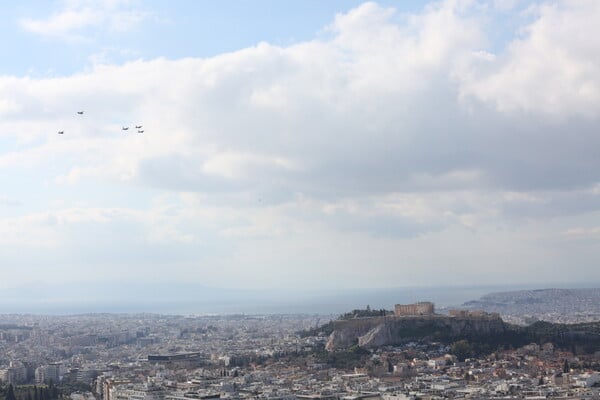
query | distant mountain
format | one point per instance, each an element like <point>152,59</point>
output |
<point>553,305</point>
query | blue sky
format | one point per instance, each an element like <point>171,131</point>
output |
<point>300,144</point>
<point>170,30</point>
<point>177,30</point>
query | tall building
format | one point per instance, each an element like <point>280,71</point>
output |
<point>47,373</point>
<point>15,374</point>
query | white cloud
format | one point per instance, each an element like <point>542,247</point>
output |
<point>8,201</point>
<point>372,146</point>
<point>237,165</point>
<point>579,233</point>
<point>373,108</point>
<point>75,19</point>
<point>553,69</point>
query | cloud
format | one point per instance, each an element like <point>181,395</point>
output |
<point>553,69</point>
<point>377,108</point>
<point>393,137</point>
<point>76,18</point>
<point>236,165</point>
<point>8,201</point>
<point>578,233</point>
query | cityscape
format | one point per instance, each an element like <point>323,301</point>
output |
<point>287,356</point>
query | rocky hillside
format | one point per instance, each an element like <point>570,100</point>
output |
<point>487,332</point>
<point>380,331</point>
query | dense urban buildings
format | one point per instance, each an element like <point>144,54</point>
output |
<point>277,357</point>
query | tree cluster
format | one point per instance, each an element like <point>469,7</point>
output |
<point>367,312</point>
<point>29,392</point>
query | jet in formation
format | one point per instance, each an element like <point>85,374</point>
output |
<point>124,128</point>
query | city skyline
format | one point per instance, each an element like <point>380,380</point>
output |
<point>300,145</point>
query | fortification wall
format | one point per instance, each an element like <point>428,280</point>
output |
<point>422,308</point>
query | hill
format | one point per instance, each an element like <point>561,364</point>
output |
<point>487,333</point>
<point>552,305</point>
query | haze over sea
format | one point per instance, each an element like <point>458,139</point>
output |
<point>198,300</point>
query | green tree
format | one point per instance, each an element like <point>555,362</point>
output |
<point>461,349</point>
<point>10,393</point>
<point>52,390</point>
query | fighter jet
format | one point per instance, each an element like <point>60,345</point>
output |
<point>80,112</point>
<point>125,128</point>
<point>138,127</point>
<point>61,132</point>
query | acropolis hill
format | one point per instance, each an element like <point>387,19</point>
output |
<point>414,322</point>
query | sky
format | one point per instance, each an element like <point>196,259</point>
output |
<point>299,145</point>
